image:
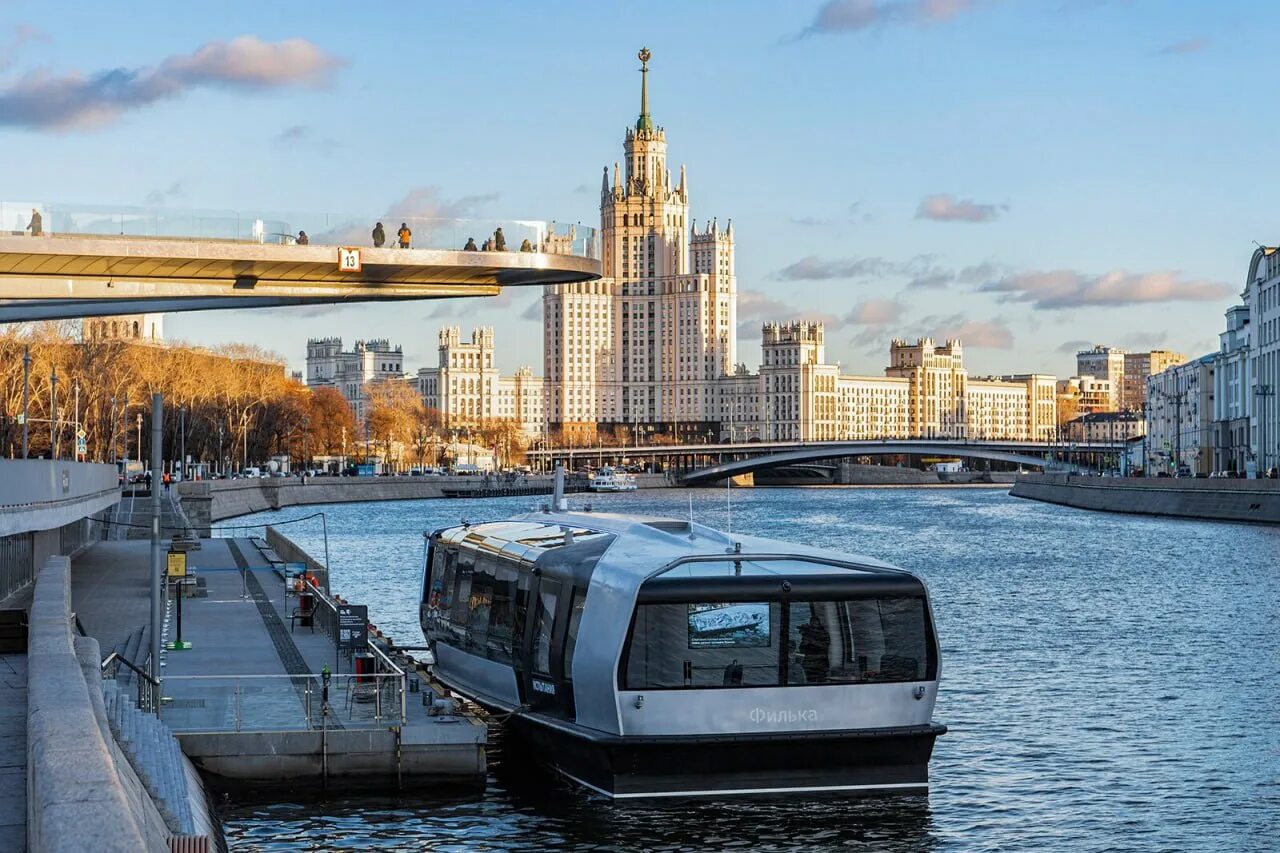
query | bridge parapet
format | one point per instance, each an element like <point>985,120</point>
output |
<point>283,228</point>
<point>43,494</point>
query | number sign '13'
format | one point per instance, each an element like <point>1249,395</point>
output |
<point>348,260</point>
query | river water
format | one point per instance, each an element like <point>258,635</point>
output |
<point>1110,683</point>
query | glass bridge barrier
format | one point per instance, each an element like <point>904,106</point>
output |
<point>284,228</point>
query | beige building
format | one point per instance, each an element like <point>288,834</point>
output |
<point>1138,367</point>
<point>467,390</point>
<point>1106,363</point>
<point>1105,427</point>
<point>925,392</point>
<point>131,327</point>
<point>1180,418</point>
<point>352,371</point>
<point>644,347</point>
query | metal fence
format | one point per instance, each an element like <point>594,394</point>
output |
<point>308,702</point>
<point>17,562</point>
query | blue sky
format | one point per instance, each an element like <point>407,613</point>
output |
<point>1028,174</point>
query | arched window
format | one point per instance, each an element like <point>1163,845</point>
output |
<point>113,328</point>
<point>136,332</point>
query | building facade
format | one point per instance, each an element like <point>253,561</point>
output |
<point>1180,419</point>
<point>1138,367</point>
<point>1233,395</point>
<point>644,347</point>
<point>926,392</point>
<point>351,371</point>
<point>1106,363</point>
<point>1262,297</point>
<point>1098,427</point>
<point>468,391</point>
<point>148,328</point>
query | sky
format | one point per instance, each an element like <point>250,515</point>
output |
<point>1031,176</point>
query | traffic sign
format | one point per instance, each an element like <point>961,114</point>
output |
<point>349,260</point>
<point>22,418</point>
<point>81,434</point>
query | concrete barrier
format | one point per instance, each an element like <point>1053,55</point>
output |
<point>1255,501</point>
<point>75,799</point>
<point>42,494</point>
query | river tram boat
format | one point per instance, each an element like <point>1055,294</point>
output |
<point>649,657</point>
<point>612,480</point>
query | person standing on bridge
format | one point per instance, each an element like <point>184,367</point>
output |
<point>404,235</point>
<point>471,245</point>
<point>499,240</point>
<point>379,236</point>
<point>303,239</point>
<point>36,225</point>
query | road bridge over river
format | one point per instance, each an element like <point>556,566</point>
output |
<point>88,262</point>
<point>703,463</point>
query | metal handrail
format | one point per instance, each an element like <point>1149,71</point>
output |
<point>395,670</point>
<point>117,657</point>
<point>308,680</point>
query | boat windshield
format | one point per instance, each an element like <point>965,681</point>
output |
<point>779,643</point>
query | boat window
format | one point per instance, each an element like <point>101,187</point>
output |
<point>704,645</point>
<point>464,561</point>
<point>859,641</point>
<point>571,634</point>
<point>502,613</point>
<point>544,622</point>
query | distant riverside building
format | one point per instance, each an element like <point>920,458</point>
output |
<point>650,348</point>
<point>467,390</point>
<point>1233,393</point>
<point>130,327</point>
<point>351,371</point>
<point>1179,420</point>
<point>1105,427</point>
<point>925,392</point>
<point>1124,372</point>
<point>1247,374</point>
<point>1107,363</point>
<point>644,346</point>
<point>1138,366</point>
<point>1079,395</point>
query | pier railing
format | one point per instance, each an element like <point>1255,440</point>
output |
<point>310,702</point>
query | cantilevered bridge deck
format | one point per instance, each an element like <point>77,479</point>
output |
<point>237,262</point>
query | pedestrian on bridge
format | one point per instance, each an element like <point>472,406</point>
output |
<point>36,225</point>
<point>379,236</point>
<point>404,234</point>
<point>303,239</point>
<point>499,240</point>
<point>471,245</point>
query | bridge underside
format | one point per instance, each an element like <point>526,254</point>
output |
<point>897,448</point>
<point>44,278</point>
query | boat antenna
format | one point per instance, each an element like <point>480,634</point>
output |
<point>728,502</point>
<point>691,515</point>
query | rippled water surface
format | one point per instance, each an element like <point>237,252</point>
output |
<point>1110,683</point>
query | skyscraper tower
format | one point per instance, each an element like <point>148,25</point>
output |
<point>643,347</point>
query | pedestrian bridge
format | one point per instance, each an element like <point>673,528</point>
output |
<point>88,262</point>
<point>703,463</point>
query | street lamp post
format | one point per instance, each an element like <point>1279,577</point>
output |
<point>1264,392</point>
<point>53,402</point>
<point>26,396</point>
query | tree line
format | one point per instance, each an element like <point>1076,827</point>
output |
<point>236,405</point>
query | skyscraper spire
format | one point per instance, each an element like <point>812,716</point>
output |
<point>644,123</point>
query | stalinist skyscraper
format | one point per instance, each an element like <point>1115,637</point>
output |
<point>642,347</point>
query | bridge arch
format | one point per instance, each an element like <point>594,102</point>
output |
<point>866,448</point>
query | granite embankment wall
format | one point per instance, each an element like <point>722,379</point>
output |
<point>211,501</point>
<point>81,792</point>
<point>1220,500</point>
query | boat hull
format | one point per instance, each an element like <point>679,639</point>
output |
<point>875,761</point>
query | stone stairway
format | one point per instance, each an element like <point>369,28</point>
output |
<point>154,753</point>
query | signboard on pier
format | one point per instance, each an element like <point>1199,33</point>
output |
<point>177,564</point>
<point>353,627</point>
